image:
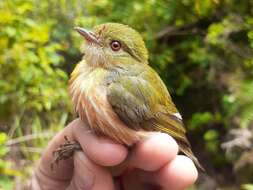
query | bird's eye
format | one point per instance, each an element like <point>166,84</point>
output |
<point>115,45</point>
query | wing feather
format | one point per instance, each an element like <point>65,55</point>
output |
<point>141,100</point>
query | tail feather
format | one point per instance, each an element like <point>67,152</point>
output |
<point>188,152</point>
<point>175,128</point>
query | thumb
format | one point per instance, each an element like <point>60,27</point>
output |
<point>88,175</point>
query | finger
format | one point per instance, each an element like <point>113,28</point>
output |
<point>61,171</point>
<point>88,175</point>
<point>154,153</point>
<point>179,174</point>
<point>102,151</point>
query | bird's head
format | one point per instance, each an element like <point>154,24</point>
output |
<point>111,44</point>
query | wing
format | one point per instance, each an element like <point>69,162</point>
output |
<point>142,101</point>
<point>140,98</point>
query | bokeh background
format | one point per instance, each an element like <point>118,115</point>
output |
<point>201,48</point>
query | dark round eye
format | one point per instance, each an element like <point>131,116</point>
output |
<point>115,45</point>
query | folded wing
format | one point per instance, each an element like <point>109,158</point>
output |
<point>142,102</point>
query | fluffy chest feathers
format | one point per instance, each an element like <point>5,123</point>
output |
<point>88,90</point>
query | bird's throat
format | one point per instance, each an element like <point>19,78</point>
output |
<point>94,56</point>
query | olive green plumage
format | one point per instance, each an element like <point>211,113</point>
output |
<point>134,90</point>
<point>131,40</point>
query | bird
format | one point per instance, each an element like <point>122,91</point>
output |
<point>118,94</point>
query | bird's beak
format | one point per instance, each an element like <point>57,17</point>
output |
<point>88,35</point>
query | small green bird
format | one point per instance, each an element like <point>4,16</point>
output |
<point>115,90</point>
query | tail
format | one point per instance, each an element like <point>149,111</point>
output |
<point>174,127</point>
<point>188,152</point>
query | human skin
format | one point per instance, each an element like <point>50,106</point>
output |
<point>152,164</point>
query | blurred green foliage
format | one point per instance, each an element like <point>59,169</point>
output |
<point>247,187</point>
<point>201,48</point>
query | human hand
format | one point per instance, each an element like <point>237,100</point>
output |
<point>104,165</point>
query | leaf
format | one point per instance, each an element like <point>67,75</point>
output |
<point>6,183</point>
<point>211,135</point>
<point>3,138</point>
<point>247,186</point>
<point>200,119</point>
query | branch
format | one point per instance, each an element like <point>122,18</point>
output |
<point>18,140</point>
<point>198,27</point>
